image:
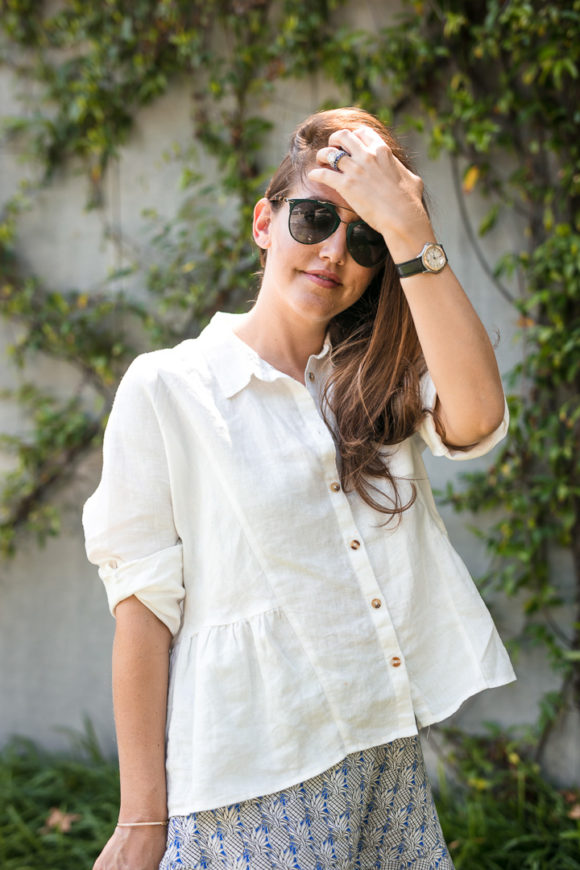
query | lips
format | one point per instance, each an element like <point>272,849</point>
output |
<point>324,278</point>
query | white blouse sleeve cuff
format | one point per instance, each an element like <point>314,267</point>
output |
<point>156,580</point>
<point>435,443</point>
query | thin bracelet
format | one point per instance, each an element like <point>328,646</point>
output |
<point>139,824</point>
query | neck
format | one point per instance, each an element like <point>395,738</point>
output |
<point>285,341</point>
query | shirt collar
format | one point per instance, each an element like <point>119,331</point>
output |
<point>234,363</point>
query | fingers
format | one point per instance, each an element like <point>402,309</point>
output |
<point>340,174</point>
<point>366,151</point>
<point>357,142</point>
<point>349,140</point>
<point>328,157</point>
<point>329,177</point>
<point>358,146</point>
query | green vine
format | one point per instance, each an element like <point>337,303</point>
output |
<point>94,68</point>
<point>493,84</point>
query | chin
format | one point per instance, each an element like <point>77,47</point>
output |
<point>316,310</point>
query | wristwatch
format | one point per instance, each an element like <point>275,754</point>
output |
<point>431,259</point>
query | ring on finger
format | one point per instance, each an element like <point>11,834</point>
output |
<point>335,156</point>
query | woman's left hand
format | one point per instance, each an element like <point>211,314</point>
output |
<point>375,183</point>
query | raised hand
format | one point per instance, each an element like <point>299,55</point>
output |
<point>375,183</point>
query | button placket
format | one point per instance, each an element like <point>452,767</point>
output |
<point>384,627</point>
<point>362,568</point>
<point>322,440</point>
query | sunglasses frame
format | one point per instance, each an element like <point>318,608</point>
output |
<point>333,209</point>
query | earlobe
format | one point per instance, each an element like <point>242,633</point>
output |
<point>262,222</point>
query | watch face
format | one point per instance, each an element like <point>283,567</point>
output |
<point>434,258</point>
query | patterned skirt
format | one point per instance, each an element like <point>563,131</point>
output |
<point>372,811</point>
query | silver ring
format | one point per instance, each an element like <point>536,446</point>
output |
<point>337,155</point>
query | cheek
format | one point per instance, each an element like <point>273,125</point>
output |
<point>282,260</point>
<point>279,235</point>
<point>363,279</point>
<point>285,250</point>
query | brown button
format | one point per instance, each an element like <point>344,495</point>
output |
<point>376,602</point>
<point>335,487</point>
<point>396,661</point>
<point>310,376</point>
<point>354,545</point>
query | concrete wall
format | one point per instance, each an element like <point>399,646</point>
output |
<point>55,629</point>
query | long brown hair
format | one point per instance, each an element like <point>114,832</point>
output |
<point>373,390</point>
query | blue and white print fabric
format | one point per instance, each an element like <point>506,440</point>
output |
<point>372,811</point>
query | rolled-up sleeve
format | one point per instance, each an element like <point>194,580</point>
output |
<point>128,522</point>
<point>432,439</point>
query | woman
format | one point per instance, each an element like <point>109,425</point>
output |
<point>264,514</point>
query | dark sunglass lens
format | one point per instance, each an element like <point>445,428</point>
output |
<point>366,246</point>
<point>311,222</point>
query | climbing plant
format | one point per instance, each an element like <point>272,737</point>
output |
<point>492,84</point>
<point>93,68</point>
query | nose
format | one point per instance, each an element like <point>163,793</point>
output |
<point>333,248</point>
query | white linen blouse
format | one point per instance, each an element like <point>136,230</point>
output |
<point>304,629</point>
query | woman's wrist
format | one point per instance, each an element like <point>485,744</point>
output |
<point>142,815</point>
<point>152,824</point>
<point>405,243</point>
<point>140,808</point>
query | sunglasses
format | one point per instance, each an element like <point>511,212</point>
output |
<point>311,221</point>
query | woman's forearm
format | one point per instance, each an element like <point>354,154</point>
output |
<point>140,679</point>
<point>457,349</point>
<point>459,356</point>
